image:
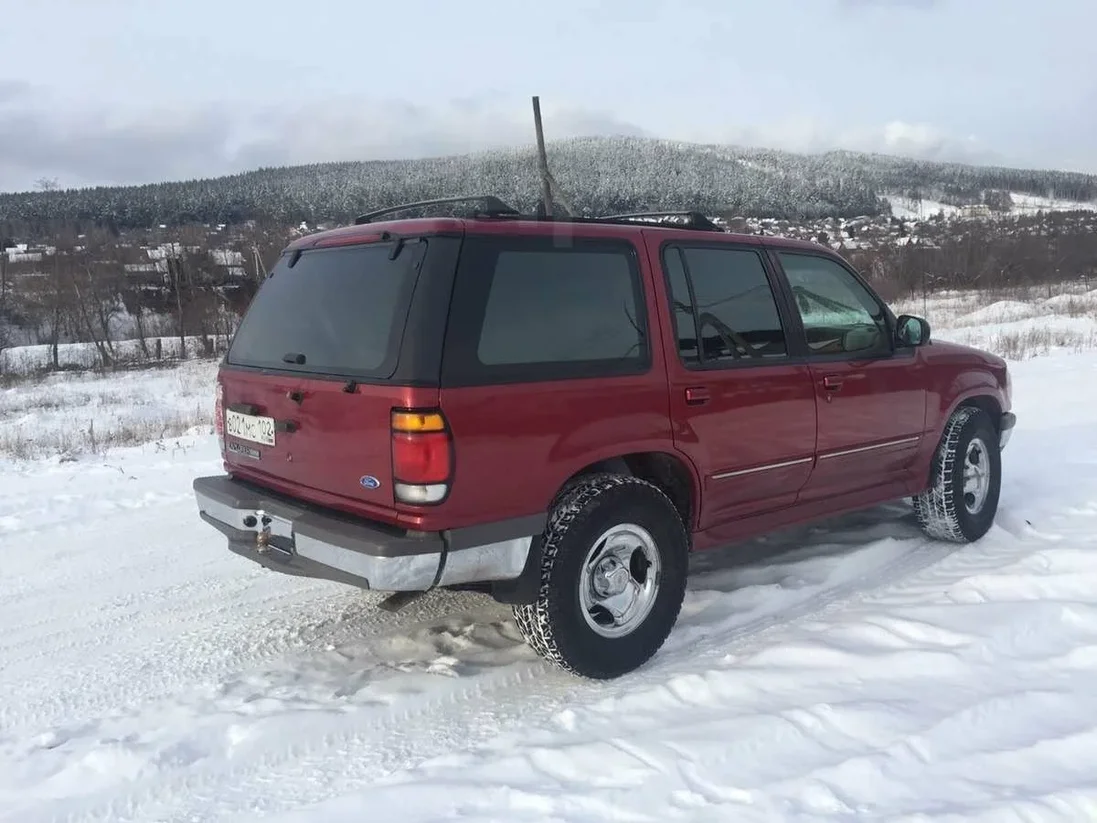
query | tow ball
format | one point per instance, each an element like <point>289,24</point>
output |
<point>262,535</point>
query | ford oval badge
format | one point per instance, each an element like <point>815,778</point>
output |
<point>369,482</point>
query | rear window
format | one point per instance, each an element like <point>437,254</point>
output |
<point>336,311</point>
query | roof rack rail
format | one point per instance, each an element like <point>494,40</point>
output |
<point>694,219</point>
<point>493,206</point>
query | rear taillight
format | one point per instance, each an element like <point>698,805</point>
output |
<point>422,456</point>
<point>219,415</point>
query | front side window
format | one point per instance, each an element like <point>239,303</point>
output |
<point>725,310</point>
<point>839,314</point>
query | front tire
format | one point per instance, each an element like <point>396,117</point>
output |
<point>965,480</point>
<point>614,561</point>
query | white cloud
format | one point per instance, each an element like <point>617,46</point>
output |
<point>100,147</point>
<point>917,140</point>
<point>96,146</point>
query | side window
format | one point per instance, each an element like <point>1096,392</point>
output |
<point>526,309</point>
<point>722,297</point>
<point>684,320</point>
<point>840,315</point>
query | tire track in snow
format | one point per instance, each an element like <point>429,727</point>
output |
<point>170,626</point>
<point>355,748</point>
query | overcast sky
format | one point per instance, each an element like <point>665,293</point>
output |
<point>123,91</point>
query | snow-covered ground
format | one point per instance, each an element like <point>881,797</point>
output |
<point>1022,204</point>
<point>1016,325</point>
<point>72,414</point>
<point>847,670</point>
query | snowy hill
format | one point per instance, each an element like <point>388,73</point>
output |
<point>602,175</point>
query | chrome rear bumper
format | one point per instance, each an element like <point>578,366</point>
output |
<point>295,538</point>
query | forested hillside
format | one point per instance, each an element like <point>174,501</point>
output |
<point>599,174</point>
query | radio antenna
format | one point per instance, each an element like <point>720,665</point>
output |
<point>551,196</point>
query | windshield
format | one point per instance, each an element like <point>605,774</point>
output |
<point>335,311</point>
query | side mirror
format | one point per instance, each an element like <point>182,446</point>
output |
<point>911,331</point>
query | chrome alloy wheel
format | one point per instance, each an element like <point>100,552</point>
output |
<point>619,580</point>
<point>976,476</point>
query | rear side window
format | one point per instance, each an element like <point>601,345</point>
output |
<point>723,297</point>
<point>340,311</point>
<point>529,309</point>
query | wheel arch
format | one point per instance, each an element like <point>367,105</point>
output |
<point>670,473</point>
<point>986,402</point>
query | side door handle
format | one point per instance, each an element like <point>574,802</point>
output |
<point>832,383</point>
<point>697,395</point>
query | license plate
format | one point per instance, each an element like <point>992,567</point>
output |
<point>250,427</point>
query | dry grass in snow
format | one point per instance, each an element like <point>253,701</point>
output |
<point>68,415</point>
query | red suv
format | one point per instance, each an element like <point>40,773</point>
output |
<point>558,411</point>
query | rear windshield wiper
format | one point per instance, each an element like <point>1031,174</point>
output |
<point>294,357</point>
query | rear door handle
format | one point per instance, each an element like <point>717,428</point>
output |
<point>697,395</point>
<point>832,383</point>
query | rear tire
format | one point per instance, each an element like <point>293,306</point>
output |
<point>965,480</point>
<point>614,563</point>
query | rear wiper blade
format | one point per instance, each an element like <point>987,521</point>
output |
<point>294,357</point>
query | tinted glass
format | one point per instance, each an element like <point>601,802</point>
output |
<point>343,310</point>
<point>839,314</point>
<point>560,306</point>
<point>684,321</point>
<point>735,308</point>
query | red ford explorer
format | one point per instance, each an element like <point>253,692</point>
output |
<point>559,411</point>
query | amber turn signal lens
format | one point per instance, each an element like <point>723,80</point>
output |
<point>403,421</point>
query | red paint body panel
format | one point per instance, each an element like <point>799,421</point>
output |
<point>955,374</point>
<point>765,446</point>
<point>341,438</point>
<point>721,438</point>
<point>516,445</point>
<point>871,420</point>
<point>718,432</point>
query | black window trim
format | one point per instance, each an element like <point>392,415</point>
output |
<point>795,341</point>
<point>461,368</point>
<point>894,351</point>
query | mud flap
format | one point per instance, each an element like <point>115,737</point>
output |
<point>522,590</point>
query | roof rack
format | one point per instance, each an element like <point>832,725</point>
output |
<point>694,219</point>
<point>493,207</point>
